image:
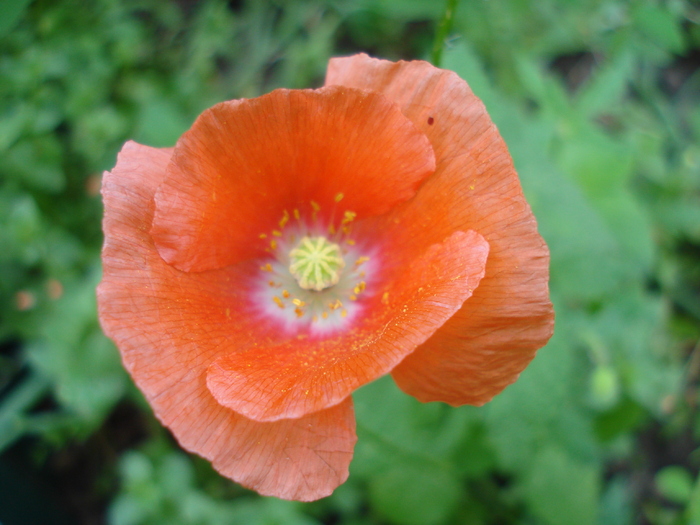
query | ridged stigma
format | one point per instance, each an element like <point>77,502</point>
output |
<point>316,263</point>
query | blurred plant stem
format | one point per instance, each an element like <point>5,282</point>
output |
<point>443,31</point>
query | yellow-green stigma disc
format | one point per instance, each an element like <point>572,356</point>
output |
<point>316,263</point>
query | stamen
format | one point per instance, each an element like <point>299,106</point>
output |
<point>284,220</point>
<point>348,217</point>
<point>339,197</point>
<point>301,278</point>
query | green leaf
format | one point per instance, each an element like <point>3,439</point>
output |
<point>660,25</point>
<point>402,427</point>
<point>542,408</point>
<point>73,352</point>
<point>674,483</point>
<point>607,87</point>
<point>693,510</point>
<point>586,260</point>
<point>596,161</point>
<point>544,88</point>
<point>10,13</point>
<point>415,493</point>
<point>616,507</point>
<point>36,163</point>
<point>21,234</point>
<point>15,407</point>
<point>561,490</point>
<point>410,453</point>
<point>602,167</point>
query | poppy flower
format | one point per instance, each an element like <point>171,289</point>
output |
<point>294,247</point>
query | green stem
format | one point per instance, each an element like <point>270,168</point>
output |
<point>443,31</point>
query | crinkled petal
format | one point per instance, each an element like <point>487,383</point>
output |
<point>170,326</point>
<point>245,161</point>
<point>498,330</point>
<point>302,376</point>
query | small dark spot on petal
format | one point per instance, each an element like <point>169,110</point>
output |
<point>430,121</point>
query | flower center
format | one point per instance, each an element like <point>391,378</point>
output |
<point>317,278</point>
<point>316,263</point>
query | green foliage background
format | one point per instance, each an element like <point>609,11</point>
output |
<point>598,101</point>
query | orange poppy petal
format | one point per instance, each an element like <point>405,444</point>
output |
<point>302,376</point>
<point>494,336</point>
<point>496,333</point>
<point>169,326</point>
<point>278,152</point>
<point>301,459</point>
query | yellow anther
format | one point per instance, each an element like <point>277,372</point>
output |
<point>350,242</point>
<point>298,302</point>
<point>296,213</point>
<point>315,206</point>
<point>385,298</point>
<point>271,283</point>
<point>277,233</point>
<point>284,220</point>
<point>273,244</point>
<point>360,287</point>
<point>263,236</point>
<point>349,217</point>
<point>299,312</point>
<point>266,267</point>
<point>339,197</point>
<point>353,297</point>
<point>343,313</point>
<point>285,294</point>
<point>335,305</point>
<point>324,315</point>
<point>361,260</point>
<point>331,229</point>
<point>278,301</point>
